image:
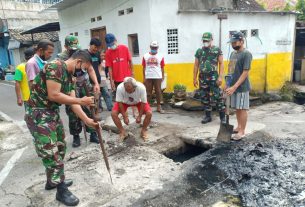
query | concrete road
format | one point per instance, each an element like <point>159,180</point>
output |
<point>19,164</point>
<point>9,107</point>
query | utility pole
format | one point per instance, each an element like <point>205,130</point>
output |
<point>221,16</point>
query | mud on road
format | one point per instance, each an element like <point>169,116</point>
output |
<point>258,171</point>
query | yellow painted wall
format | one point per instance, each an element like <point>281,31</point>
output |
<point>277,65</point>
<point>279,70</point>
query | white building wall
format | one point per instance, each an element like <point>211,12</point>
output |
<point>25,15</point>
<point>136,22</point>
<point>151,19</point>
<point>272,28</point>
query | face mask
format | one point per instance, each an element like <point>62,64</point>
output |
<point>154,51</point>
<point>206,44</point>
<point>78,71</point>
<point>236,47</point>
<point>43,57</point>
<point>113,47</point>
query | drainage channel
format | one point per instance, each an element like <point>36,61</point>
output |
<point>185,153</point>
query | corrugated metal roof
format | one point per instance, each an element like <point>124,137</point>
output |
<point>49,27</point>
<point>16,34</point>
<point>65,4</point>
<point>249,5</point>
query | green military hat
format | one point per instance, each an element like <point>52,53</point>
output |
<point>207,36</point>
<point>72,42</point>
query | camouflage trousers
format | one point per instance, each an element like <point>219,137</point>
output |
<point>75,124</point>
<point>48,132</point>
<point>210,92</point>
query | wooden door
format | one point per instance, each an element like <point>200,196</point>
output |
<point>100,34</point>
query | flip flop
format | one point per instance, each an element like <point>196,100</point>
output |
<point>235,132</point>
<point>237,137</point>
<point>144,137</point>
<point>122,138</point>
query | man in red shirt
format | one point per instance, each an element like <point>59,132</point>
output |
<point>118,60</point>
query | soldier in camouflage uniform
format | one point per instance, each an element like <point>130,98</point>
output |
<point>207,61</point>
<point>52,87</point>
<point>82,81</point>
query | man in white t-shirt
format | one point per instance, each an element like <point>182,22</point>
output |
<point>131,93</point>
<point>153,73</point>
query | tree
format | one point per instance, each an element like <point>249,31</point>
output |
<point>301,9</point>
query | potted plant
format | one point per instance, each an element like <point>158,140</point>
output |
<point>180,92</point>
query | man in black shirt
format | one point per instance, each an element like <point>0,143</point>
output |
<point>93,50</point>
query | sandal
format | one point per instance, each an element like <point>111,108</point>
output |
<point>144,136</point>
<point>237,137</point>
<point>122,138</point>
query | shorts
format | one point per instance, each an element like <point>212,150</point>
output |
<point>125,107</point>
<point>240,100</point>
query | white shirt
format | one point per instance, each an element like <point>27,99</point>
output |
<point>153,65</point>
<point>139,95</point>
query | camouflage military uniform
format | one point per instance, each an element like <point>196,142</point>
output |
<point>211,94</point>
<point>75,125</point>
<point>43,120</point>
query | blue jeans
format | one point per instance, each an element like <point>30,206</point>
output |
<point>107,97</point>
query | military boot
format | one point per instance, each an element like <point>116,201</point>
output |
<point>65,196</point>
<point>93,138</point>
<point>222,117</point>
<point>76,141</point>
<point>50,186</point>
<point>207,118</point>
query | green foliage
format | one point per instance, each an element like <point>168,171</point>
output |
<point>179,87</point>
<point>288,8</point>
<point>287,91</point>
<point>300,7</point>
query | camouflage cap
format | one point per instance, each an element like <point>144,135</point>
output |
<point>207,36</point>
<point>72,42</point>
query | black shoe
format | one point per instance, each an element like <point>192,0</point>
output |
<point>222,117</point>
<point>65,196</point>
<point>49,186</point>
<point>207,118</point>
<point>76,141</point>
<point>93,138</point>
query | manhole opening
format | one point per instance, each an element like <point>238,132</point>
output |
<point>184,153</point>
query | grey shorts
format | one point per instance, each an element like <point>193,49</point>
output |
<point>240,100</point>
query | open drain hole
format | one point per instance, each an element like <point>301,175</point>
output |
<point>184,153</point>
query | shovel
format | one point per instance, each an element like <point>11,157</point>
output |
<point>225,130</point>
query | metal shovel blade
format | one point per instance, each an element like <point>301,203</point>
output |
<point>225,133</point>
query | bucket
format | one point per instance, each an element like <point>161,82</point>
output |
<point>164,82</point>
<point>9,77</point>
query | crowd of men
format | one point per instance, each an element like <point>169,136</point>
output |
<point>77,76</point>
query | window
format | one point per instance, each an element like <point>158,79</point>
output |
<point>71,33</point>
<point>254,33</point>
<point>245,33</point>
<point>93,19</point>
<point>121,12</point>
<point>99,18</point>
<point>76,34</point>
<point>172,41</point>
<point>129,10</point>
<point>133,44</point>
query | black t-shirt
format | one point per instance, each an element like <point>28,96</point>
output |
<point>96,61</point>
